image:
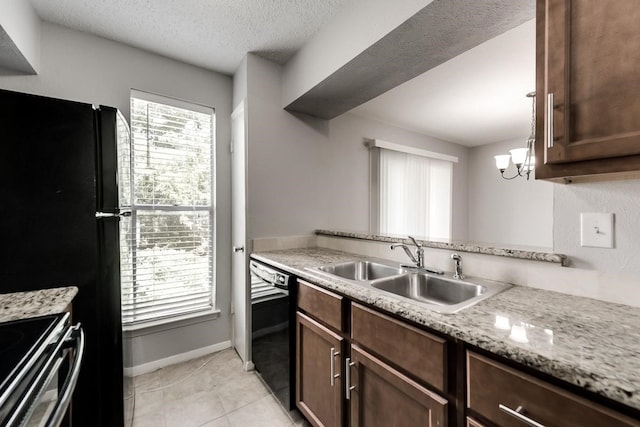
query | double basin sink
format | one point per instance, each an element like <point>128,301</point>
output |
<point>440,293</point>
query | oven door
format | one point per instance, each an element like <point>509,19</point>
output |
<point>42,397</point>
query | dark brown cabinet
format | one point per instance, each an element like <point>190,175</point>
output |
<point>319,372</point>
<point>510,398</point>
<point>321,304</point>
<point>390,338</point>
<point>335,375</point>
<point>358,366</point>
<point>381,396</point>
<point>390,362</point>
<point>473,423</point>
<point>588,88</point>
<point>320,355</point>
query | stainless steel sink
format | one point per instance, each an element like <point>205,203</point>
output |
<point>435,290</point>
<point>361,270</point>
<point>444,295</point>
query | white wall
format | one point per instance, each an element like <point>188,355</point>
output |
<point>510,213</point>
<point>347,173</point>
<point>305,173</point>
<point>286,170</point>
<point>619,197</point>
<point>337,43</point>
<point>87,68</point>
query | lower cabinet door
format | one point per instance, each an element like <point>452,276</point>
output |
<point>318,372</point>
<point>382,396</point>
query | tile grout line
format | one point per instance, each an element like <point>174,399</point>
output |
<point>288,419</point>
<point>213,356</point>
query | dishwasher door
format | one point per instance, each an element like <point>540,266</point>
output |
<point>272,332</point>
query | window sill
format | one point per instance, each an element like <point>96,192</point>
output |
<point>153,326</point>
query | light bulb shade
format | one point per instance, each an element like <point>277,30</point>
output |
<point>519,155</point>
<point>502,161</point>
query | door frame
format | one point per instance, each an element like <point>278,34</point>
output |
<point>240,294</point>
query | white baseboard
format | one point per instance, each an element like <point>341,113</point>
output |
<point>176,358</point>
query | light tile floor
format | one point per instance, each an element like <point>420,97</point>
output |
<point>211,391</point>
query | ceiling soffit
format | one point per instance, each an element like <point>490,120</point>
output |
<point>440,31</point>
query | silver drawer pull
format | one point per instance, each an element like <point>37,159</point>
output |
<point>550,120</point>
<point>333,353</point>
<point>519,414</point>
<point>347,378</point>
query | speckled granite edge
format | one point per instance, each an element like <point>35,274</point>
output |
<point>461,247</point>
<point>594,345</point>
<point>23,305</point>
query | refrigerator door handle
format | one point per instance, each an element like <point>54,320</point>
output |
<point>100,215</point>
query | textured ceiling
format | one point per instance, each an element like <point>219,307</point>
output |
<point>214,34</point>
<point>475,98</point>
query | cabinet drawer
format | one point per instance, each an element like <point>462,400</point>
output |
<point>382,396</point>
<point>415,351</point>
<point>491,386</point>
<point>321,304</point>
<point>473,423</point>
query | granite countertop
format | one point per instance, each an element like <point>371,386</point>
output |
<point>589,343</point>
<point>529,254</point>
<point>22,305</point>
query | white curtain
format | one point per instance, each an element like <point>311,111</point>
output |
<point>415,195</point>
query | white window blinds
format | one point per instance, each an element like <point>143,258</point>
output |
<point>167,249</point>
<point>414,195</point>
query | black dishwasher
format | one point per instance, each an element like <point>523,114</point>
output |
<point>272,336</point>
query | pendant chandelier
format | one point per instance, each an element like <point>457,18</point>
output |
<point>523,158</point>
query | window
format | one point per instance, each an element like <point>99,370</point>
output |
<point>167,174</point>
<point>411,191</point>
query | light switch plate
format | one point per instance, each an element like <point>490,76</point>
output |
<point>596,230</point>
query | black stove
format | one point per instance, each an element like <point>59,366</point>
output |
<point>27,349</point>
<point>19,340</point>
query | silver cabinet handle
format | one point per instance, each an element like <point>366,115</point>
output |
<point>264,274</point>
<point>333,354</point>
<point>519,414</point>
<point>237,249</point>
<point>347,378</point>
<point>550,120</point>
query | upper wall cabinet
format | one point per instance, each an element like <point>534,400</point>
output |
<point>588,89</point>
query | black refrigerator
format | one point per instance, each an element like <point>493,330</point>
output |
<point>59,217</point>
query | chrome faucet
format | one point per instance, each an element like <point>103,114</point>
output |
<point>417,259</point>
<point>457,263</point>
